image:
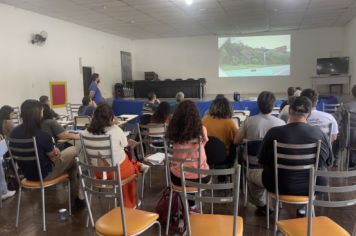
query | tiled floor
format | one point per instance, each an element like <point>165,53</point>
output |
<point>31,220</point>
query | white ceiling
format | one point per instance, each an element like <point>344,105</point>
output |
<point>140,19</point>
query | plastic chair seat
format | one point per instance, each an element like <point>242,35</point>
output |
<point>136,221</point>
<point>37,184</point>
<point>212,225</point>
<point>292,198</point>
<point>321,225</point>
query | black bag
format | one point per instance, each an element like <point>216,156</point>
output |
<point>10,176</point>
<point>177,222</point>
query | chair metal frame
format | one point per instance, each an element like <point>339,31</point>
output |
<point>295,167</point>
<point>350,129</point>
<point>72,109</point>
<point>331,108</point>
<point>108,157</point>
<point>233,186</point>
<point>146,134</point>
<point>245,165</point>
<point>105,188</point>
<point>170,158</point>
<point>17,158</point>
<point>345,188</point>
<point>81,121</point>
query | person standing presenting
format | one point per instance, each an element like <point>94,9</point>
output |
<point>94,91</point>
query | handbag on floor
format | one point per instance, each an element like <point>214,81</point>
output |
<point>177,222</point>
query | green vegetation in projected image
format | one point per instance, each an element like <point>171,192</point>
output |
<point>254,56</point>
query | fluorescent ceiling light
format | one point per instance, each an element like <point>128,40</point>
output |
<point>189,2</point>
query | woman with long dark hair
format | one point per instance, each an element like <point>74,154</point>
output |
<point>103,123</point>
<point>183,131</point>
<point>163,114</point>
<point>53,162</point>
<point>6,124</point>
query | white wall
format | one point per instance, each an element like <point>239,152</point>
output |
<point>198,57</point>
<point>26,69</point>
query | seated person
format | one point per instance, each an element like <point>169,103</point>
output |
<point>151,105</point>
<point>218,122</point>
<point>179,99</point>
<point>297,131</point>
<point>6,124</point>
<point>284,114</point>
<point>45,100</point>
<point>320,118</point>
<point>163,114</point>
<point>255,127</point>
<point>342,119</point>
<point>53,162</point>
<point>87,107</point>
<point>103,124</point>
<point>298,91</point>
<point>185,127</point>
<point>290,92</point>
<point>5,193</point>
<point>54,129</point>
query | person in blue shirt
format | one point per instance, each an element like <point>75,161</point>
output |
<point>94,91</point>
<point>88,107</point>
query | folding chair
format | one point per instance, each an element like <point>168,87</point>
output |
<point>120,220</point>
<point>322,225</point>
<point>213,224</point>
<point>287,157</point>
<point>251,148</point>
<point>21,155</point>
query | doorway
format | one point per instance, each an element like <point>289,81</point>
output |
<point>86,79</point>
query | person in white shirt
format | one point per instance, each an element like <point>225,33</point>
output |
<point>320,118</point>
<point>103,124</point>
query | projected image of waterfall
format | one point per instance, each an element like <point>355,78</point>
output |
<point>254,56</point>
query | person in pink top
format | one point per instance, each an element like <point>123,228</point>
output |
<point>184,130</point>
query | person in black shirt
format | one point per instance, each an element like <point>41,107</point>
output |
<point>290,93</point>
<point>53,162</point>
<point>45,100</point>
<point>297,131</point>
<point>151,105</point>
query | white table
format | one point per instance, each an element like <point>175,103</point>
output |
<point>124,118</point>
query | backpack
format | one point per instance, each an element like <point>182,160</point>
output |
<point>177,221</point>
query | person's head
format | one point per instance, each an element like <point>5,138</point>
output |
<point>311,94</point>
<point>44,99</point>
<point>86,100</point>
<point>151,97</point>
<point>162,113</point>
<point>179,97</point>
<point>220,108</point>
<point>5,114</point>
<point>291,99</point>
<point>185,124</point>
<point>265,102</point>
<point>95,78</point>
<point>219,96</point>
<point>31,114</point>
<point>102,118</point>
<point>47,114</point>
<point>353,91</point>
<point>298,88</point>
<point>300,109</point>
<point>290,91</point>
